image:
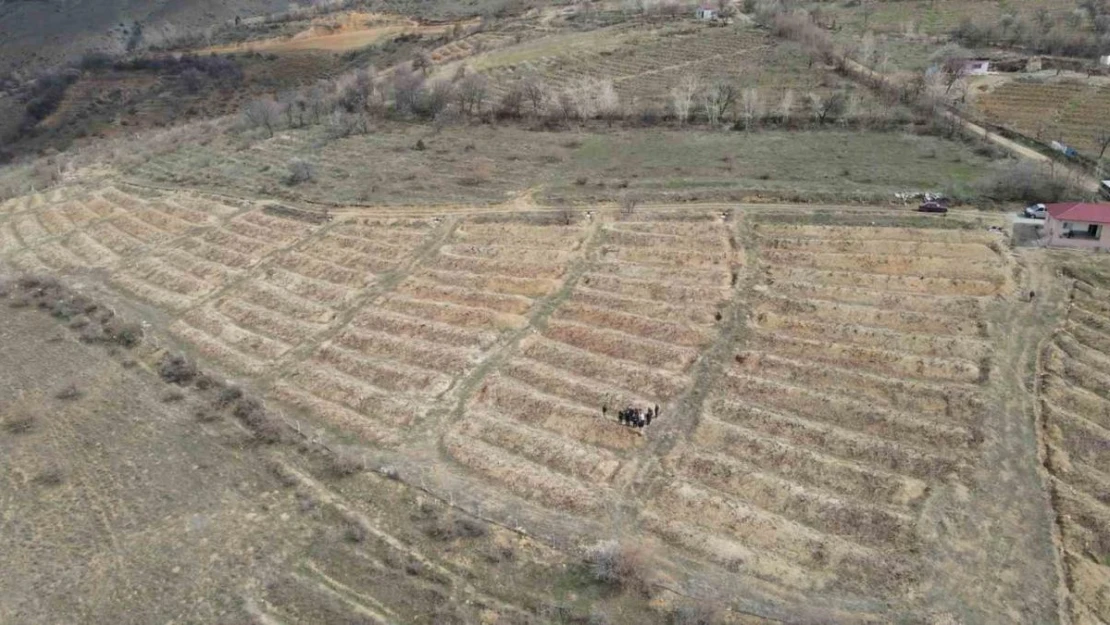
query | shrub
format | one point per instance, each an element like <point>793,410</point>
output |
<point>52,476</point>
<point>68,392</point>
<point>344,462</point>
<point>172,395</point>
<point>126,334</point>
<point>619,564</point>
<point>20,423</point>
<point>177,369</point>
<point>300,171</point>
<point>1027,182</point>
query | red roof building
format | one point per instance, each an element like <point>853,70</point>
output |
<point>1078,224</point>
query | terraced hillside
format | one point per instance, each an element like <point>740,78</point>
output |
<point>628,333</point>
<point>824,391</point>
<point>1075,406</point>
<point>645,64</point>
<point>855,392</point>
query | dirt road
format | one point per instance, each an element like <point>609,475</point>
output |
<point>865,73</point>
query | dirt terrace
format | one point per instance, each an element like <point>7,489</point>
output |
<point>830,395</point>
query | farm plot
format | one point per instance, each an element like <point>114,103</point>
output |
<point>1075,404</point>
<point>627,334</point>
<point>397,356</point>
<point>97,229</point>
<point>200,265</point>
<point>646,65</point>
<point>855,391</point>
<point>1067,112</point>
<point>303,291</point>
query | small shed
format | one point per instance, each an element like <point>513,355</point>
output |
<point>975,67</point>
<point>706,12</point>
<point>1077,224</point>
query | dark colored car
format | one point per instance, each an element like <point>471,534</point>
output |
<point>932,206</point>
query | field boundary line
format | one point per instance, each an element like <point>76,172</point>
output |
<point>384,284</point>
<point>711,360</point>
<point>537,320</point>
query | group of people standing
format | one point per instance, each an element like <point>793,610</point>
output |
<point>634,417</point>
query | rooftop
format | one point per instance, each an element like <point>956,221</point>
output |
<point>1079,211</point>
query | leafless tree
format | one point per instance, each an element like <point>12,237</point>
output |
<point>292,105</point>
<point>264,113</point>
<point>866,51</point>
<point>751,107</point>
<point>471,93</point>
<point>534,91</point>
<point>1102,138</point>
<point>421,62</point>
<point>826,109</point>
<point>408,89</point>
<point>316,101</point>
<point>511,102</point>
<point>786,104</point>
<point>682,97</point>
<point>438,97</point>
<point>718,99</point>
<point>568,107</point>
<point>607,102</point>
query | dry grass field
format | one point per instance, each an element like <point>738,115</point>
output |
<point>840,393</point>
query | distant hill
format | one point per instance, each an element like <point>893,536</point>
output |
<point>38,33</point>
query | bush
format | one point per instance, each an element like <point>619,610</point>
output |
<point>300,171</point>
<point>68,392</point>
<point>1028,183</point>
<point>345,462</point>
<point>177,369</point>
<point>20,423</point>
<point>619,564</point>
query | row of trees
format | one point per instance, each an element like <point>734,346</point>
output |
<point>347,105</point>
<point>1084,32</point>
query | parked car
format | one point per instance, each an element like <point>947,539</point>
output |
<point>1035,211</point>
<point>933,206</point>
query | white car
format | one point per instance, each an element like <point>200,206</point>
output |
<point>1036,211</point>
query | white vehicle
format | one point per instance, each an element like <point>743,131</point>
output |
<point>1036,211</point>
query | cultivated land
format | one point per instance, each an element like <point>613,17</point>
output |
<point>847,433</point>
<point>1070,110</point>
<point>411,357</point>
<point>1075,415</point>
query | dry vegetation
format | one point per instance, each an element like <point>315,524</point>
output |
<point>1075,413</point>
<point>854,393</point>
<point>817,384</point>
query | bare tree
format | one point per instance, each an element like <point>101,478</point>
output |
<point>581,92</point>
<point>316,102</point>
<point>421,62</point>
<point>438,97</point>
<point>607,102</point>
<point>1102,138</point>
<point>512,101</point>
<point>718,100</point>
<point>682,97</point>
<point>786,104</point>
<point>534,91</point>
<point>408,89</point>
<point>264,113</point>
<point>471,93</point>
<point>751,107</point>
<point>866,52</point>
<point>826,109</point>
